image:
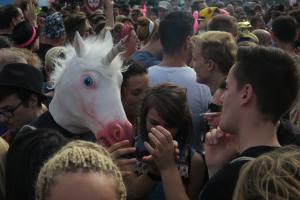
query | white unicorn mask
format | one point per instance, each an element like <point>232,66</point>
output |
<point>87,91</point>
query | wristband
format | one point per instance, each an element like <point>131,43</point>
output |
<point>153,177</point>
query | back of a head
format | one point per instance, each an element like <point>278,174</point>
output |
<point>9,55</point>
<point>174,30</point>
<point>74,22</point>
<point>270,71</point>
<point>7,13</point>
<point>24,35</point>
<point>54,26</point>
<point>78,156</point>
<point>264,37</point>
<point>52,57</point>
<point>284,29</point>
<point>223,23</point>
<point>217,46</point>
<point>30,57</point>
<point>26,155</point>
<point>274,175</point>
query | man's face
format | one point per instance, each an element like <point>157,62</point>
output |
<point>200,66</point>
<point>162,13</point>
<point>230,110</point>
<point>87,30</point>
<point>14,113</point>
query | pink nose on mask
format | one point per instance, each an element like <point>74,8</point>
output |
<point>115,132</point>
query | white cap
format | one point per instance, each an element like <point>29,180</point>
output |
<point>164,4</point>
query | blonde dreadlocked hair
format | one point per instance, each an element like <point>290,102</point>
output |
<point>272,176</point>
<point>78,156</point>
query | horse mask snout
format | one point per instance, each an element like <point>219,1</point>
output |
<point>115,132</point>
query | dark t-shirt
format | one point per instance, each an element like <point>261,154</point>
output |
<point>46,121</point>
<point>221,185</point>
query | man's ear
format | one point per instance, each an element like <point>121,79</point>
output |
<point>211,65</point>
<point>33,100</point>
<point>14,21</point>
<point>247,94</point>
<point>188,43</point>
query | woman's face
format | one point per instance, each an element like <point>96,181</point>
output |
<point>87,30</point>
<point>153,119</point>
<point>83,185</point>
<point>133,94</point>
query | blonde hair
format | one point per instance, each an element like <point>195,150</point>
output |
<point>218,46</point>
<point>52,56</point>
<point>30,57</point>
<point>78,156</point>
<point>3,152</point>
<point>272,176</point>
<point>8,55</point>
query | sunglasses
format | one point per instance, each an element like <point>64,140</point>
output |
<point>10,112</point>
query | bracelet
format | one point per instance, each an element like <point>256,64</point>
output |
<point>153,177</point>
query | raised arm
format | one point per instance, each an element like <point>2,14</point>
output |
<point>108,11</point>
<point>162,151</point>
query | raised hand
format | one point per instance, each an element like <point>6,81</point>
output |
<point>219,147</point>
<point>162,148</point>
<point>119,151</point>
<point>31,13</point>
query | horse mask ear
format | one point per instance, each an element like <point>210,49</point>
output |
<point>79,45</point>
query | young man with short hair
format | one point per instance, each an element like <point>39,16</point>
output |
<point>284,32</point>
<point>175,32</point>
<point>261,87</point>
<point>213,54</point>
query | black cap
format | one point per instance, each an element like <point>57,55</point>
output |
<point>22,76</point>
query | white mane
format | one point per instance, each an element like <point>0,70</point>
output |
<point>95,50</point>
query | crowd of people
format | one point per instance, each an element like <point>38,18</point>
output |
<point>210,91</point>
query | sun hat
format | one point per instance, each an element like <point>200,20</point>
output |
<point>21,75</point>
